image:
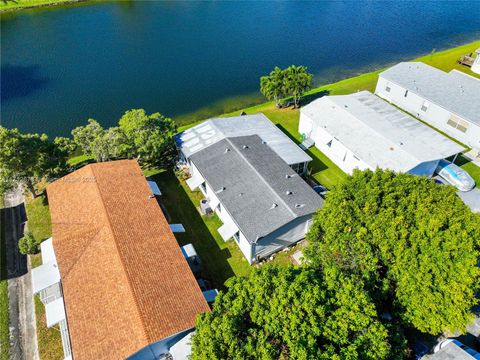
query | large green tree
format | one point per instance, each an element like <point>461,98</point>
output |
<point>288,313</point>
<point>298,81</point>
<point>29,158</point>
<point>273,86</point>
<point>149,138</point>
<point>412,244</point>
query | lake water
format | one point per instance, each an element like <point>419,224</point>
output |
<point>61,66</point>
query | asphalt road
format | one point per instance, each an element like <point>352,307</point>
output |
<point>23,332</point>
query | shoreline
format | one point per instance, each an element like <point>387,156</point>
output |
<point>35,6</point>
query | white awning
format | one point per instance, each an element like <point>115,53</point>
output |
<point>183,348</point>
<point>48,254</point>
<point>188,251</point>
<point>55,312</point>
<point>177,228</point>
<point>227,230</point>
<point>194,182</point>
<point>44,276</point>
<point>213,202</point>
<point>154,187</point>
<point>210,295</point>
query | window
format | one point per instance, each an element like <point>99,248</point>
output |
<point>387,88</point>
<point>203,186</point>
<point>329,144</point>
<point>219,208</point>
<point>425,105</point>
<point>458,123</point>
<point>406,93</point>
<point>236,236</point>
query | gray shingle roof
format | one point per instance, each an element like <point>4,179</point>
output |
<point>255,181</point>
<point>209,132</point>
<point>454,91</point>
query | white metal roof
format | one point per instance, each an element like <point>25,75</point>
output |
<point>188,251</point>
<point>377,132</point>
<point>45,276</point>
<point>194,181</point>
<point>48,254</point>
<point>211,131</point>
<point>55,312</point>
<point>455,91</point>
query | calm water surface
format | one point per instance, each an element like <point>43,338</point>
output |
<point>61,66</point>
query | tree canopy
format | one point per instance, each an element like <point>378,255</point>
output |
<point>290,313</point>
<point>29,158</point>
<point>293,81</point>
<point>147,138</point>
<point>413,245</point>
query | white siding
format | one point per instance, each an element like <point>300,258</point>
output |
<point>330,146</point>
<point>435,115</point>
<point>224,216</point>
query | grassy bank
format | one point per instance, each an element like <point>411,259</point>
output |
<point>12,5</point>
<point>4,319</point>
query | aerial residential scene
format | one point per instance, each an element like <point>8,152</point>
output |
<point>210,180</point>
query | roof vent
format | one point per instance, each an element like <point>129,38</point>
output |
<point>288,176</point>
<point>241,194</point>
<point>288,192</point>
<point>223,188</point>
<point>346,106</point>
<point>299,205</point>
<point>245,146</point>
<point>273,206</point>
<point>401,143</point>
<point>264,142</point>
<point>227,150</point>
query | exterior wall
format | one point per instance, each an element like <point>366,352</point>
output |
<point>155,350</point>
<point>425,169</point>
<point>286,236</point>
<point>223,214</point>
<point>330,146</point>
<point>435,115</point>
<point>476,64</point>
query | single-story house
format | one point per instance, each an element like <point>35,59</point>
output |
<point>263,203</point>
<point>361,131</point>
<point>211,131</point>
<point>449,102</point>
<point>113,273</point>
<point>476,63</point>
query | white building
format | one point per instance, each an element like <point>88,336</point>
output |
<point>264,205</point>
<point>449,102</point>
<point>211,131</point>
<point>476,63</point>
<point>362,131</point>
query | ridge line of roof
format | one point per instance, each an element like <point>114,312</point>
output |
<point>260,175</point>
<point>110,228</point>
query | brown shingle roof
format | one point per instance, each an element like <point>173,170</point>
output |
<point>126,283</point>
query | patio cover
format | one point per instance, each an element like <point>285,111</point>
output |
<point>55,312</point>
<point>214,203</point>
<point>44,276</point>
<point>177,228</point>
<point>227,230</point>
<point>188,251</point>
<point>48,254</point>
<point>154,187</point>
<point>194,182</point>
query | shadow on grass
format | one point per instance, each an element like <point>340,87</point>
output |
<point>181,210</point>
<point>313,96</point>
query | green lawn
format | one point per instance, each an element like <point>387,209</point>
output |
<point>18,4</point>
<point>4,320</point>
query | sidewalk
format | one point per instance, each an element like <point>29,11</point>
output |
<point>23,331</point>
